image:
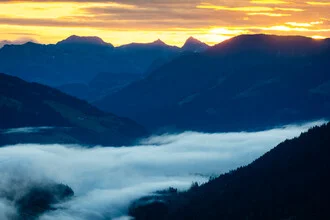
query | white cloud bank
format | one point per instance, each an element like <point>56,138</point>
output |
<point>106,180</point>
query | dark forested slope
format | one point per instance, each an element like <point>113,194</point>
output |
<point>24,104</point>
<point>248,82</point>
<point>289,182</point>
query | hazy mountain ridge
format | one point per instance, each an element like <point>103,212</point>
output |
<point>270,44</point>
<point>78,60</point>
<point>15,42</point>
<point>289,182</point>
<point>74,39</point>
<point>194,45</point>
<point>24,104</point>
<point>267,82</point>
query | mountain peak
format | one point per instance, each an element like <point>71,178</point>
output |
<point>279,44</point>
<point>193,40</point>
<point>158,42</point>
<point>194,45</point>
<point>16,42</point>
<point>91,40</point>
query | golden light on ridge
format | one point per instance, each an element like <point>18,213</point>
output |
<point>121,22</point>
<point>318,37</point>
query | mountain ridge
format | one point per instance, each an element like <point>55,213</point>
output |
<point>286,44</point>
<point>80,59</point>
<point>69,119</point>
<point>288,182</point>
<point>74,39</point>
<point>213,91</point>
<point>194,45</point>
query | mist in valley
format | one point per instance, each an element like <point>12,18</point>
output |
<point>106,180</point>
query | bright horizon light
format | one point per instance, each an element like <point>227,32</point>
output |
<point>121,22</point>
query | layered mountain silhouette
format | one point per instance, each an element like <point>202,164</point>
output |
<point>74,40</point>
<point>289,182</point>
<point>4,42</point>
<point>34,113</point>
<point>56,64</point>
<point>248,82</point>
<point>194,45</point>
<point>15,42</point>
<point>156,45</point>
<point>78,60</point>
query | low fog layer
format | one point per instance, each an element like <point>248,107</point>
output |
<point>25,130</point>
<point>107,180</point>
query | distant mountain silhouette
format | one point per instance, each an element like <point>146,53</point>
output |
<point>79,59</point>
<point>71,120</point>
<point>55,64</point>
<point>15,42</point>
<point>194,45</point>
<point>141,52</point>
<point>4,42</point>
<point>158,44</point>
<point>76,61</point>
<point>83,41</point>
<point>289,182</point>
<point>248,82</point>
<point>270,45</point>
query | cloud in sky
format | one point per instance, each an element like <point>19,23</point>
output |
<point>17,41</point>
<point>147,20</point>
<point>106,180</point>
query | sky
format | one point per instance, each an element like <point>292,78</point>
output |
<point>173,21</point>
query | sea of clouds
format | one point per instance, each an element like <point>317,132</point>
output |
<point>107,179</point>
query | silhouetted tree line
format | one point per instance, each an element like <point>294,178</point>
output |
<point>289,182</point>
<point>34,200</point>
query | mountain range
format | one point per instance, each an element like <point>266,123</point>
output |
<point>15,42</point>
<point>247,82</point>
<point>194,45</point>
<point>250,82</point>
<point>78,60</point>
<point>34,113</point>
<point>289,182</point>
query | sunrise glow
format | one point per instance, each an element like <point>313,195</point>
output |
<point>121,22</point>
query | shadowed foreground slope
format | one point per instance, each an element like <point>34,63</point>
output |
<point>67,119</point>
<point>289,182</point>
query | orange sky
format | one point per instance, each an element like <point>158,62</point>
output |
<point>173,21</point>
